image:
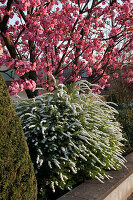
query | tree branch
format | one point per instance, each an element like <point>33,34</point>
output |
<point>125,45</point>
<point>78,3</point>
<point>63,56</point>
<point>10,46</point>
<point>21,12</point>
<point>3,71</point>
<point>84,7</point>
<point>3,23</point>
<point>3,27</point>
<point>19,35</point>
<point>93,6</point>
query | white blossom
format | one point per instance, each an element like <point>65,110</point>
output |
<point>52,186</point>
<point>49,164</point>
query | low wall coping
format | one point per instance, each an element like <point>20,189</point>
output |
<point>95,190</point>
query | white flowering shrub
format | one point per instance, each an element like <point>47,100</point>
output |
<point>71,132</point>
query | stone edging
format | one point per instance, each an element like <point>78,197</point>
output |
<point>118,188</point>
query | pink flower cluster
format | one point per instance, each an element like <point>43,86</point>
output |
<point>24,66</point>
<point>128,75</point>
<point>16,86</point>
<point>58,36</point>
<point>29,85</point>
<point>20,85</point>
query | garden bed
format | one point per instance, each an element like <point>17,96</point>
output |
<point>118,188</point>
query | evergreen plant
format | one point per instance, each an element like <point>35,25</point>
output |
<point>17,178</point>
<point>125,118</point>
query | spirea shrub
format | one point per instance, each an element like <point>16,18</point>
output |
<point>71,132</point>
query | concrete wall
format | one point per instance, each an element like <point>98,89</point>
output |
<point>118,188</point>
<point>123,191</point>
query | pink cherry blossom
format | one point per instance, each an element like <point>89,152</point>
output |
<point>16,86</point>
<point>129,80</point>
<point>58,36</point>
<point>115,75</point>
<point>29,85</point>
<point>88,71</point>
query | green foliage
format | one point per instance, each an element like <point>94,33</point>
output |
<point>120,91</point>
<point>125,117</point>
<point>72,135</point>
<point>17,178</point>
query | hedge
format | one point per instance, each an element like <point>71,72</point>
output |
<point>17,178</point>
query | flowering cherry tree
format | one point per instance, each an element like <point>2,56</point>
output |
<point>65,39</point>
